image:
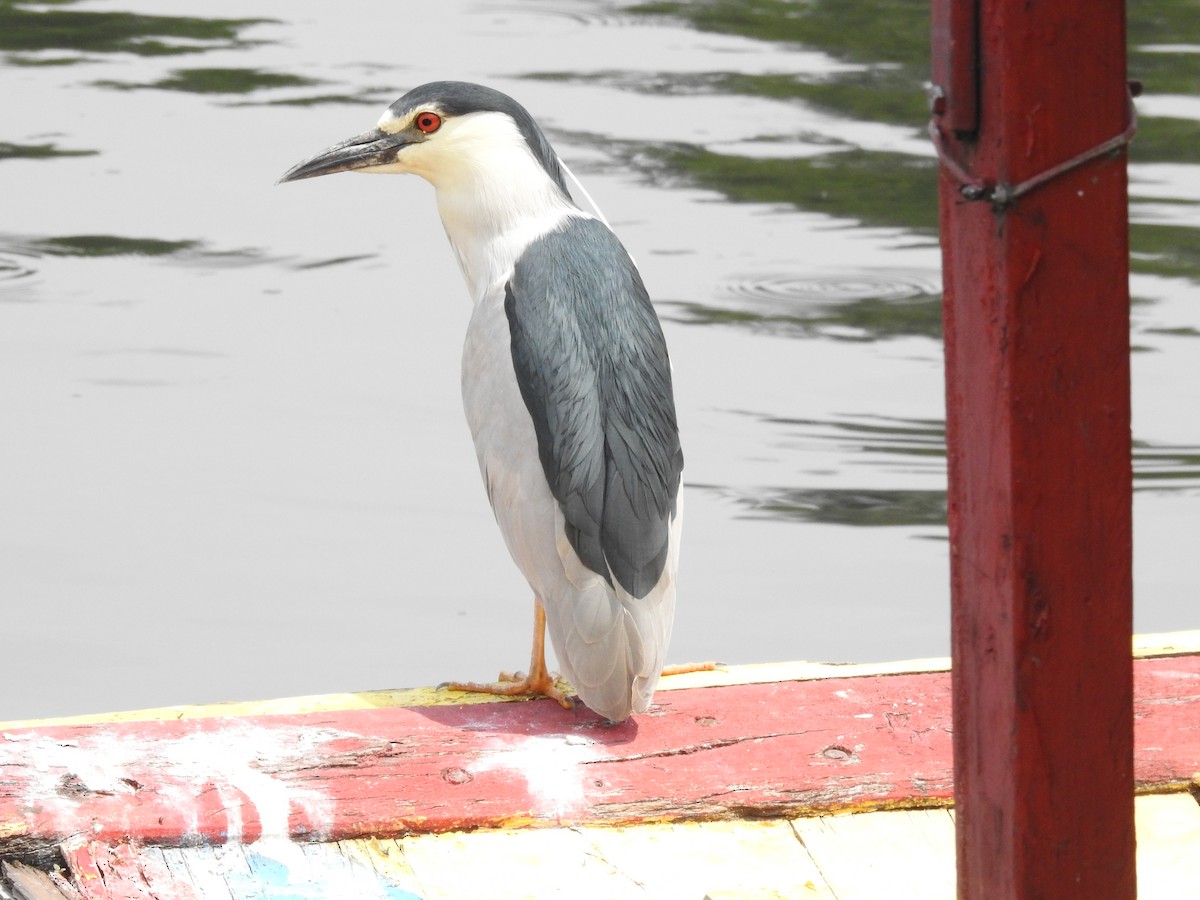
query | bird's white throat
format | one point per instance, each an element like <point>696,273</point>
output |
<point>493,195</point>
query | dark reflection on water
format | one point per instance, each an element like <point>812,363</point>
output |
<point>370,97</point>
<point>859,305</point>
<point>894,31</point>
<point>12,270</point>
<point>192,253</point>
<point>605,18</point>
<point>920,444</point>
<point>1157,468</point>
<point>1154,26</point>
<point>335,261</point>
<point>216,81</point>
<point>875,434</point>
<point>41,26</point>
<point>842,506</point>
<point>887,43</point>
<point>854,506</point>
<point>872,187</point>
<point>1172,250</point>
<point>106,245</point>
<point>1165,467</point>
<point>38,151</point>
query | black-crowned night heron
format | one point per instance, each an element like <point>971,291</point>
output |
<point>566,384</point>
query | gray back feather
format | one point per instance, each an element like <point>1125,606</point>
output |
<point>592,366</point>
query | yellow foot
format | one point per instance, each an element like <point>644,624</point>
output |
<point>685,668</point>
<point>516,685</point>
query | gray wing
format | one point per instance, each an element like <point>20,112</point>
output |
<point>592,366</point>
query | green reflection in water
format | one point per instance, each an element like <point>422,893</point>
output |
<point>853,506</point>
<point>873,318</point>
<point>1160,139</point>
<point>891,94</point>
<point>886,42</point>
<point>38,151</point>
<point>1157,24</point>
<point>872,187</point>
<point>107,245</point>
<point>217,81</point>
<point>27,26</point>
<point>890,435</point>
<point>853,30</point>
<point>1156,468</point>
<point>1165,466</point>
<point>1171,250</point>
<point>323,99</point>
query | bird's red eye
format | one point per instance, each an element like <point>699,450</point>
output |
<point>428,123</point>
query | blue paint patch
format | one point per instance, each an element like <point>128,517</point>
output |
<point>317,872</point>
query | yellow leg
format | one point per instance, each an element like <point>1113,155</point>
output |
<point>685,668</point>
<point>538,682</point>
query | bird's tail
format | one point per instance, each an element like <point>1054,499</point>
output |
<point>611,645</point>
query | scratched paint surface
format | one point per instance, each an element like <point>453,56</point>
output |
<point>789,748</point>
<point>233,461</point>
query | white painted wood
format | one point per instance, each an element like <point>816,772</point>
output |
<point>527,864</point>
<point>1168,847</point>
<point>898,855</point>
<point>747,860</point>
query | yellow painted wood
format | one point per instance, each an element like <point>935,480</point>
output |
<point>899,855</point>
<point>1168,847</point>
<point>865,856</point>
<point>386,858</point>
<point>515,865</point>
<point>1148,645</point>
<point>287,706</point>
<point>755,860</point>
<point>1166,643</point>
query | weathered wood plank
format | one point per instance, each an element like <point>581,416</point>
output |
<point>795,748</point>
<point>906,854</point>
<point>386,859</point>
<point>700,754</point>
<point>895,854</point>
<point>1145,646</point>
<point>512,864</point>
<point>1168,846</point>
<point>727,860</point>
<point>28,883</point>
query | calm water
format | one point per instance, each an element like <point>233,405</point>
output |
<point>233,462</point>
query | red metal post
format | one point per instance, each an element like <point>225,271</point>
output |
<point>1037,367</point>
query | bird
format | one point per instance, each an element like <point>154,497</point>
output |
<point>567,387</point>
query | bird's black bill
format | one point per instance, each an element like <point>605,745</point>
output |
<point>371,148</point>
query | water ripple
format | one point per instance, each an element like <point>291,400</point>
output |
<point>1165,467</point>
<point>782,290</point>
<point>861,304</point>
<point>598,18</point>
<point>11,269</point>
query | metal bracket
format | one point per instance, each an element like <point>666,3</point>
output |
<point>1002,195</point>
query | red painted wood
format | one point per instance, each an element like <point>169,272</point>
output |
<point>107,871</point>
<point>1037,367</point>
<point>956,64</point>
<point>791,748</point>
